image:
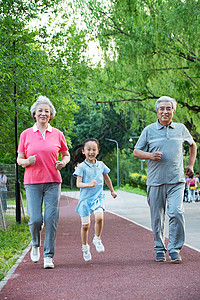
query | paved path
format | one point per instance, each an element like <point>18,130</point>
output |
<point>125,271</point>
<point>135,208</point>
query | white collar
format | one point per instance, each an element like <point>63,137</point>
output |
<point>35,128</point>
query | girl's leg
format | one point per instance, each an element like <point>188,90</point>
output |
<point>84,238</point>
<point>84,233</point>
<point>98,230</point>
<point>98,227</point>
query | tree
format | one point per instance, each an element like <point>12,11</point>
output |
<point>29,67</point>
<point>151,49</point>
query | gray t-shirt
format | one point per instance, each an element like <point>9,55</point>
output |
<point>168,140</point>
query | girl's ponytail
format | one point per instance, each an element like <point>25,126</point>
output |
<point>78,157</point>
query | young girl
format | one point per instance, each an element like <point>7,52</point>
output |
<point>90,175</point>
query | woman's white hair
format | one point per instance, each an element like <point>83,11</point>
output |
<point>166,99</point>
<point>43,100</point>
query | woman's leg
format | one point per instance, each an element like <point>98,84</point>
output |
<point>34,198</point>
<point>51,215</point>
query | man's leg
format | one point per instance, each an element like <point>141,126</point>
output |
<point>175,212</point>
<point>156,197</point>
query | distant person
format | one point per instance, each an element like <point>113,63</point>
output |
<point>161,143</point>
<point>197,179</point>
<point>38,151</point>
<point>91,174</point>
<point>197,185</point>
<point>191,186</point>
<point>3,189</point>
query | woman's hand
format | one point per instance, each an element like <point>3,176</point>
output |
<point>25,162</point>
<point>60,164</point>
<point>65,159</point>
<point>32,159</point>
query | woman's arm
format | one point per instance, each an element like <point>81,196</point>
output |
<point>25,162</point>
<point>81,185</point>
<point>65,159</point>
<point>109,185</point>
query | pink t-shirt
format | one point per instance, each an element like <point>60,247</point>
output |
<point>47,151</point>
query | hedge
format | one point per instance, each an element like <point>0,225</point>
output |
<point>138,180</point>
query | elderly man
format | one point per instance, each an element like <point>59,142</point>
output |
<point>161,144</point>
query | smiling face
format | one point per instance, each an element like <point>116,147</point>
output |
<point>90,150</point>
<point>42,113</point>
<point>165,113</point>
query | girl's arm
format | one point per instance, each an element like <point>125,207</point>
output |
<point>109,185</point>
<point>81,185</point>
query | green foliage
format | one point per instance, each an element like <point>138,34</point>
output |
<point>138,180</point>
<point>37,61</point>
<point>12,242</point>
<point>136,190</point>
<point>149,49</point>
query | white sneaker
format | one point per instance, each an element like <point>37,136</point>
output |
<point>98,244</point>
<point>86,253</point>
<point>48,263</point>
<point>35,254</point>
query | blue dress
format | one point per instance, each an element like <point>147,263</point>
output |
<point>91,198</point>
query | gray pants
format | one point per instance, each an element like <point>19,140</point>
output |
<point>158,197</point>
<point>35,195</point>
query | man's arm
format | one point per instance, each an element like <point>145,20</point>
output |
<point>193,153</point>
<point>156,156</point>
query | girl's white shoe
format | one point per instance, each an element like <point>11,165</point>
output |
<point>86,253</point>
<point>98,244</point>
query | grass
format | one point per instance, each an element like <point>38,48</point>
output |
<point>130,189</point>
<point>12,242</point>
<point>127,188</point>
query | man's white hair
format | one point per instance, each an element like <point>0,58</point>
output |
<point>43,100</point>
<point>166,99</point>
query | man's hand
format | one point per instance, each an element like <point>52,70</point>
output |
<point>156,156</point>
<point>189,170</point>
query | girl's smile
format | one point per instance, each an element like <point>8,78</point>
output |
<point>91,150</point>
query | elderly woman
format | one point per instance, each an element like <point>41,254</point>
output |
<point>38,151</point>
